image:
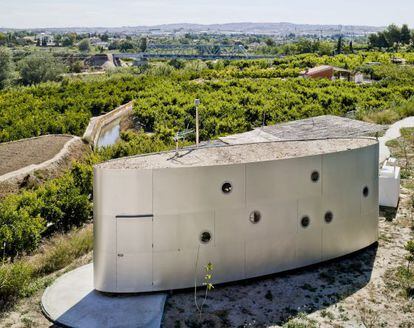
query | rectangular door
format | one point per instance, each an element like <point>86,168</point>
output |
<point>134,253</point>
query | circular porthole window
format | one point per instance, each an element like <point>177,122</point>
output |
<point>305,221</point>
<point>205,237</point>
<point>315,176</point>
<point>226,188</point>
<point>365,191</point>
<point>255,217</point>
<point>328,217</point>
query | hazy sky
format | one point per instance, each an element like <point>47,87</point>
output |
<point>112,13</point>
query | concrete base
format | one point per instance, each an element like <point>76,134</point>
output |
<point>72,302</point>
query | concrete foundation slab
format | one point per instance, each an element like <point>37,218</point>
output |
<point>72,302</point>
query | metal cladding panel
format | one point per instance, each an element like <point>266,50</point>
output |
<point>104,271</point>
<point>341,185</point>
<point>270,255</point>
<point>125,192</point>
<point>337,239</point>
<point>228,263</point>
<point>234,225</point>
<point>174,269</point>
<point>134,235</point>
<point>230,226</point>
<point>368,174</point>
<point>197,188</point>
<point>277,219</point>
<point>182,231</point>
<point>105,233</point>
<point>355,217</point>
<point>367,232</point>
<point>341,238</point>
<point>134,273</point>
<point>309,238</point>
<point>282,179</point>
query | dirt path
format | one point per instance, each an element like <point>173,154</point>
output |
<point>393,132</point>
<point>19,154</point>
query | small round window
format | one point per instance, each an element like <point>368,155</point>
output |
<point>315,176</point>
<point>255,217</point>
<point>328,217</point>
<point>365,191</point>
<point>226,188</point>
<point>205,237</point>
<point>305,221</point>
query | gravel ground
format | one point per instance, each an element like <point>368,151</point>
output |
<point>19,154</point>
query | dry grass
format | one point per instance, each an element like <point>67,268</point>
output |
<point>27,275</point>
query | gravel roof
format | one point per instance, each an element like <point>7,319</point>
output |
<point>237,154</point>
<point>320,127</point>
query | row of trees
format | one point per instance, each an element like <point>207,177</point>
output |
<point>32,69</point>
<point>236,95</point>
<point>392,37</point>
<point>306,46</point>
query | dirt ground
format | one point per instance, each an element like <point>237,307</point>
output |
<point>20,154</point>
<point>16,155</point>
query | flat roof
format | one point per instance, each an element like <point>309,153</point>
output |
<point>320,127</point>
<point>237,154</point>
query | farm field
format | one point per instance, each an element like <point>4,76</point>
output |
<point>16,155</point>
<point>235,96</point>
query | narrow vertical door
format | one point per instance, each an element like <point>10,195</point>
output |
<point>134,253</point>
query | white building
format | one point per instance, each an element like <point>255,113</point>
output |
<point>250,210</point>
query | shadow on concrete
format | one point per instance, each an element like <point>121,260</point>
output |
<point>107,310</point>
<point>275,299</point>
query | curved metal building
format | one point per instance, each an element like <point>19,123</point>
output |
<point>250,210</point>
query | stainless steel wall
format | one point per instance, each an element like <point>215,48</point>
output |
<point>148,222</point>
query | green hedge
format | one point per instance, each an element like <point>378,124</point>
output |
<point>25,218</point>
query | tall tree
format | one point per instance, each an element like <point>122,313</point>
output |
<point>38,68</point>
<point>351,47</point>
<point>6,67</point>
<point>143,44</point>
<point>393,35</point>
<point>405,34</point>
<point>340,45</point>
<point>84,45</point>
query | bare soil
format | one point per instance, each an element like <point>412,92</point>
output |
<point>19,154</point>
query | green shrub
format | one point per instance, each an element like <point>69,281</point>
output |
<point>19,230</point>
<point>13,279</point>
<point>58,205</point>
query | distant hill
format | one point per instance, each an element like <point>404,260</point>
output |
<point>281,28</point>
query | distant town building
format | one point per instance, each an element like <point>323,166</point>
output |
<point>45,40</point>
<point>332,73</point>
<point>398,61</point>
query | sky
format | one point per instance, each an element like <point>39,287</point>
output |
<point>115,13</point>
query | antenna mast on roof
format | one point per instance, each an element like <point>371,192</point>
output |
<point>197,103</point>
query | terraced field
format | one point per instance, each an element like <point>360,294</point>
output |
<point>22,153</point>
